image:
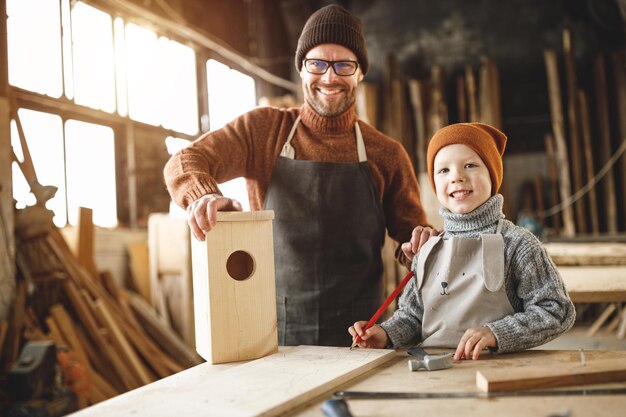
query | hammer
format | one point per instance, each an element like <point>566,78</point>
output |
<point>428,362</point>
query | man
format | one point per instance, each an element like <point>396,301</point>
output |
<point>334,184</point>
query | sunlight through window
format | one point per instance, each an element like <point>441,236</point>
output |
<point>90,153</point>
<point>44,137</point>
<point>178,91</point>
<point>161,81</point>
<point>35,55</point>
<point>120,66</point>
<point>92,41</point>
<point>231,93</point>
<point>143,68</point>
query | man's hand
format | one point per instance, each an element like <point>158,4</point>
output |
<point>375,337</point>
<point>474,340</point>
<point>202,213</point>
<point>419,236</point>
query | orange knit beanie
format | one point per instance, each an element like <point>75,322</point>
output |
<point>487,141</point>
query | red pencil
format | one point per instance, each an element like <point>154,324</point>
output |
<point>383,307</point>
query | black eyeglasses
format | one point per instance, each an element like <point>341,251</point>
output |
<point>320,66</point>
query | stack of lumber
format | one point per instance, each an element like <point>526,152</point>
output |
<point>595,272</point>
<point>587,177</point>
<point>112,340</point>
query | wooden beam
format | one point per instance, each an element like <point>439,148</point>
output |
<point>585,133</point>
<point>558,130</point>
<point>604,144</point>
<point>576,170</point>
<point>559,375</point>
<point>618,59</point>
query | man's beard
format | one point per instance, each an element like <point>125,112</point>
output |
<point>326,108</point>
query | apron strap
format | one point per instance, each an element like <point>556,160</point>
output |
<point>360,145</point>
<point>493,261</point>
<point>289,152</point>
<point>499,227</point>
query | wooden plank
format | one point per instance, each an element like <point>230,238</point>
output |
<point>576,170</point>
<point>122,344</point>
<point>264,387</point>
<point>602,318</point>
<point>592,253</point>
<point>553,182</point>
<point>416,96</point>
<point>559,375</point>
<point>585,132</point>
<point>594,284</point>
<point>621,331</point>
<point>139,264</point>
<point>494,80</point>
<point>164,335</point>
<point>472,106</point>
<point>558,130</point>
<point>461,99</point>
<point>367,103</point>
<point>84,246</point>
<point>607,184</point>
<point>619,86</point>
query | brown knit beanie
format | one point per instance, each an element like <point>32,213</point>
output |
<point>333,24</point>
<point>487,141</point>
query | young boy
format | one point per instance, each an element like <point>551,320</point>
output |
<point>485,283</point>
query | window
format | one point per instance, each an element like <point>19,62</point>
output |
<point>93,64</point>
<point>35,55</point>
<point>90,154</point>
<point>81,154</point>
<point>44,137</point>
<point>73,50</point>
<point>161,81</point>
<point>231,93</point>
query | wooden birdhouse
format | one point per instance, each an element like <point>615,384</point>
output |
<point>234,288</point>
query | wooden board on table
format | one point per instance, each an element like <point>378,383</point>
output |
<point>595,284</point>
<point>593,253</point>
<point>541,376</point>
<point>267,386</point>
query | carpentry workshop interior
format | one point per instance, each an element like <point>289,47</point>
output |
<point>106,289</point>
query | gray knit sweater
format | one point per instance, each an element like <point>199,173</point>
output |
<point>543,309</point>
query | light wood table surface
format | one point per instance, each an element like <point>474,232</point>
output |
<point>395,376</point>
<point>235,389</point>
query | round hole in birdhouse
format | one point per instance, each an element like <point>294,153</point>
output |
<point>240,265</point>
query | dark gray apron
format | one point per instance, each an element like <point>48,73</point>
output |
<point>329,229</point>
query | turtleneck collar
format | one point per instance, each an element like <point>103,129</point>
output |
<point>483,219</point>
<point>328,125</point>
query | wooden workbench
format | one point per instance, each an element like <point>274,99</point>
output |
<point>204,389</point>
<point>394,376</point>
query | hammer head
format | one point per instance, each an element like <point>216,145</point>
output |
<point>432,362</point>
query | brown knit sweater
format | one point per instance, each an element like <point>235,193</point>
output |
<point>249,146</point>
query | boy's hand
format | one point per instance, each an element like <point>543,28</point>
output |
<point>474,340</point>
<point>375,337</point>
